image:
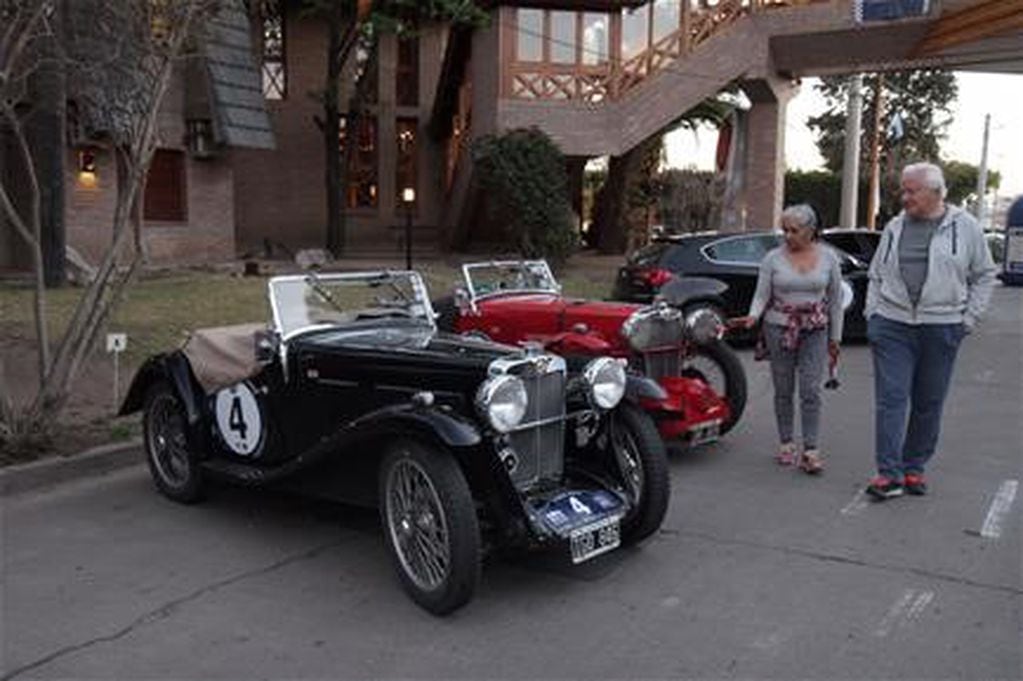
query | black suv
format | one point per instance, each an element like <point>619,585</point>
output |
<point>733,259</point>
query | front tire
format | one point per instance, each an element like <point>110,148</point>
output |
<point>430,526</point>
<point>173,465</point>
<point>641,461</point>
<point>717,365</point>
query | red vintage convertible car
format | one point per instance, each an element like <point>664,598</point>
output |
<point>679,345</point>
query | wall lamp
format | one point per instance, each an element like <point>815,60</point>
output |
<point>87,167</point>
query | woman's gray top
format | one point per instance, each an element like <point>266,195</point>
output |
<point>779,283</point>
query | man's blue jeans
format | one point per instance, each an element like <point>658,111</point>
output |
<point>912,371</point>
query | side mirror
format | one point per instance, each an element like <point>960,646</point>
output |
<point>267,344</point>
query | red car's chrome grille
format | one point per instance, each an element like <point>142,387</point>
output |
<point>658,364</point>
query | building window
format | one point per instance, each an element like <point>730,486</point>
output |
<point>667,18</point>
<point>364,73</point>
<point>635,31</point>
<point>407,74</point>
<point>563,41</point>
<point>361,191</point>
<point>274,72</point>
<point>596,33</point>
<point>164,198</point>
<point>530,35</point>
<point>405,171</point>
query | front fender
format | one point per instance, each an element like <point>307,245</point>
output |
<point>448,427</point>
<point>172,368</point>
<point>639,387</point>
<point>573,343</point>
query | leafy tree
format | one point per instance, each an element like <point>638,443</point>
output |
<point>961,180</point>
<point>921,98</point>
<point>118,58</point>
<point>354,26</point>
<point>523,172</point>
<point>631,191</point>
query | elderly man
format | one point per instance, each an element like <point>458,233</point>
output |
<point>930,281</point>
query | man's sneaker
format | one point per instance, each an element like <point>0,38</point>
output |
<point>915,484</point>
<point>882,488</point>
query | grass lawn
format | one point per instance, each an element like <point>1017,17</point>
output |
<point>158,311</point>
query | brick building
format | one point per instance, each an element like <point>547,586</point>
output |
<point>243,162</point>
<point>213,107</point>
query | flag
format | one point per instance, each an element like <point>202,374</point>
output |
<point>895,129</point>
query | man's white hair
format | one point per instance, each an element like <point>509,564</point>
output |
<point>931,175</point>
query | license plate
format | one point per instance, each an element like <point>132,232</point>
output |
<point>704,433</point>
<point>595,539</point>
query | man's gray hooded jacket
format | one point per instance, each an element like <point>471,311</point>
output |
<point>960,275</point>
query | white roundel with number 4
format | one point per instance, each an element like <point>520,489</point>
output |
<point>238,419</point>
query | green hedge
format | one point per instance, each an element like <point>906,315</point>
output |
<point>523,175</point>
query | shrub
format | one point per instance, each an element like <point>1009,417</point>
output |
<point>523,174</point>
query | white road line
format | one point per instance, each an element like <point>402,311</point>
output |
<point>992,527</point>
<point>921,602</point>
<point>895,613</point>
<point>858,503</point>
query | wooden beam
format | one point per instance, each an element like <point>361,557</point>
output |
<point>984,20</point>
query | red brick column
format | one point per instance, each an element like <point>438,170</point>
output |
<point>765,152</point>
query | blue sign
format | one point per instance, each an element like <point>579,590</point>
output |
<point>889,10</point>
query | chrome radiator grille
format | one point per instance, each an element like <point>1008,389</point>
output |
<point>660,364</point>
<point>539,442</point>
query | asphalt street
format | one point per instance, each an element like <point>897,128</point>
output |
<point>758,572</point>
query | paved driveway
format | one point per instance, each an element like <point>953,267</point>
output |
<point>757,573</point>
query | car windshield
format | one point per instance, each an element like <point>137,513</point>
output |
<point>310,301</point>
<point>516,276</point>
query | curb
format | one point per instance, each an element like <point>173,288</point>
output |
<point>54,471</point>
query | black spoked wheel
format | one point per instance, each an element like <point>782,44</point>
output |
<point>430,526</point>
<point>172,464</point>
<point>718,365</point>
<point>642,463</point>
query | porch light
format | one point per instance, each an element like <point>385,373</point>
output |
<point>408,195</point>
<point>87,167</point>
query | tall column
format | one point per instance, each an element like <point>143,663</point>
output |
<point>765,152</point>
<point>851,155</point>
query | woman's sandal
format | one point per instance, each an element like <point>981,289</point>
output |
<point>786,455</point>
<point>810,462</point>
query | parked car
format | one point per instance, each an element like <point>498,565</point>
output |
<point>702,385</point>
<point>996,244</point>
<point>733,259</point>
<point>859,243</point>
<point>352,393</point>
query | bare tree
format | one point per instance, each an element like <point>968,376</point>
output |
<point>119,58</point>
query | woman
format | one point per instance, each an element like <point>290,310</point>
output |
<point>799,301</point>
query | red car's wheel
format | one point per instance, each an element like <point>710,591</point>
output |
<point>718,365</point>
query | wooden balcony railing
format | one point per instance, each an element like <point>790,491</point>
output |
<point>699,21</point>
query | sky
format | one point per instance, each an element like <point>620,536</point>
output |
<point>1001,95</point>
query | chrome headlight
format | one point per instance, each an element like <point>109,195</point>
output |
<point>653,326</point>
<point>605,378</point>
<point>704,325</point>
<point>503,400</point>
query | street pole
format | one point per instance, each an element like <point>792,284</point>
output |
<point>851,154</point>
<point>408,196</point>
<point>874,192</point>
<point>982,174</point>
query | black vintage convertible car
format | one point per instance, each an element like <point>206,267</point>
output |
<point>463,444</point>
